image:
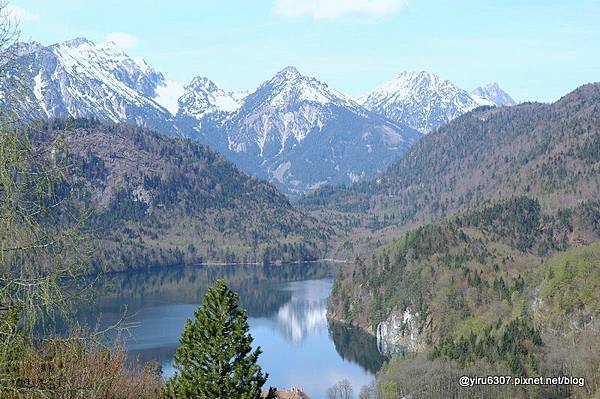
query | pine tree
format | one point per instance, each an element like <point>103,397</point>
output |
<point>215,359</point>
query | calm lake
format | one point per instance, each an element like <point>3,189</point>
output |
<point>287,316</point>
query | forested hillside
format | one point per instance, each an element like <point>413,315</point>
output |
<point>157,200</point>
<point>547,151</point>
<point>477,289</point>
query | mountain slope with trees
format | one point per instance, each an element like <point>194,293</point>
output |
<point>158,200</point>
<point>491,287</point>
<point>546,151</point>
<point>492,226</point>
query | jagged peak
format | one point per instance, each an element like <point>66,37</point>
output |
<point>202,83</point>
<point>289,71</point>
<point>112,47</point>
<point>78,41</point>
<point>424,77</point>
<point>418,75</point>
<point>202,96</point>
<point>421,99</point>
<point>406,84</point>
<point>84,49</point>
<point>23,48</point>
<point>493,85</point>
<point>140,62</point>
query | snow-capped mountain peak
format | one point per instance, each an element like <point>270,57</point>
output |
<point>287,73</point>
<point>203,96</point>
<point>81,79</point>
<point>411,84</point>
<point>293,129</point>
<point>494,93</point>
<point>77,42</point>
<point>290,88</point>
<point>421,100</point>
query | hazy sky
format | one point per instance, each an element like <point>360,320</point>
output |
<point>535,49</point>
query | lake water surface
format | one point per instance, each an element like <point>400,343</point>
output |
<point>287,315</point>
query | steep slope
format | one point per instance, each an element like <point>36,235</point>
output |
<point>77,78</point>
<point>297,132</point>
<point>549,151</point>
<point>495,94</point>
<point>491,288</point>
<point>158,200</point>
<point>504,240</point>
<point>204,111</point>
<point>501,286</point>
<point>421,100</point>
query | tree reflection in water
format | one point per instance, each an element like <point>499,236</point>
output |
<point>356,345</point>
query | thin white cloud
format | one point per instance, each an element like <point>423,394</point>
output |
<point>123,40</point>
<point>19,14</point>
<point>324,9</point>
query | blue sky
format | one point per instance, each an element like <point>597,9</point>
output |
<point>536,50</point>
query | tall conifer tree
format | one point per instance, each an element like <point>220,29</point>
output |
<point>215,357</point>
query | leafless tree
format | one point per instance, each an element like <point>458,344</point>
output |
<point>370,391</point>
<point>43,255</point>
<point>340,390</point>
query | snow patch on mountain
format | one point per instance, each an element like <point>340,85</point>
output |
<point>78,78</point>
<point>293,129</point>
<point>291,87</point>
<point>286,109</point>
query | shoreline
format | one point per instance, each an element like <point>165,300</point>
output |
<point>276,263</point>
<point>223,264</point>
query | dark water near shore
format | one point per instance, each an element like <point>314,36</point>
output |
<point>287,316</point>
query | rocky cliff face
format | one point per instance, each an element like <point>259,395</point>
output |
<point>401,332</point>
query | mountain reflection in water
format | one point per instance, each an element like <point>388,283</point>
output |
<point>306,311</point>
<point>286,311</point>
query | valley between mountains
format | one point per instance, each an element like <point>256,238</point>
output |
<point>470,224</point>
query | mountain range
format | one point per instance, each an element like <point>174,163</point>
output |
<point>77,79</point>
<point>293,130</point>
<point>297,132</point>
